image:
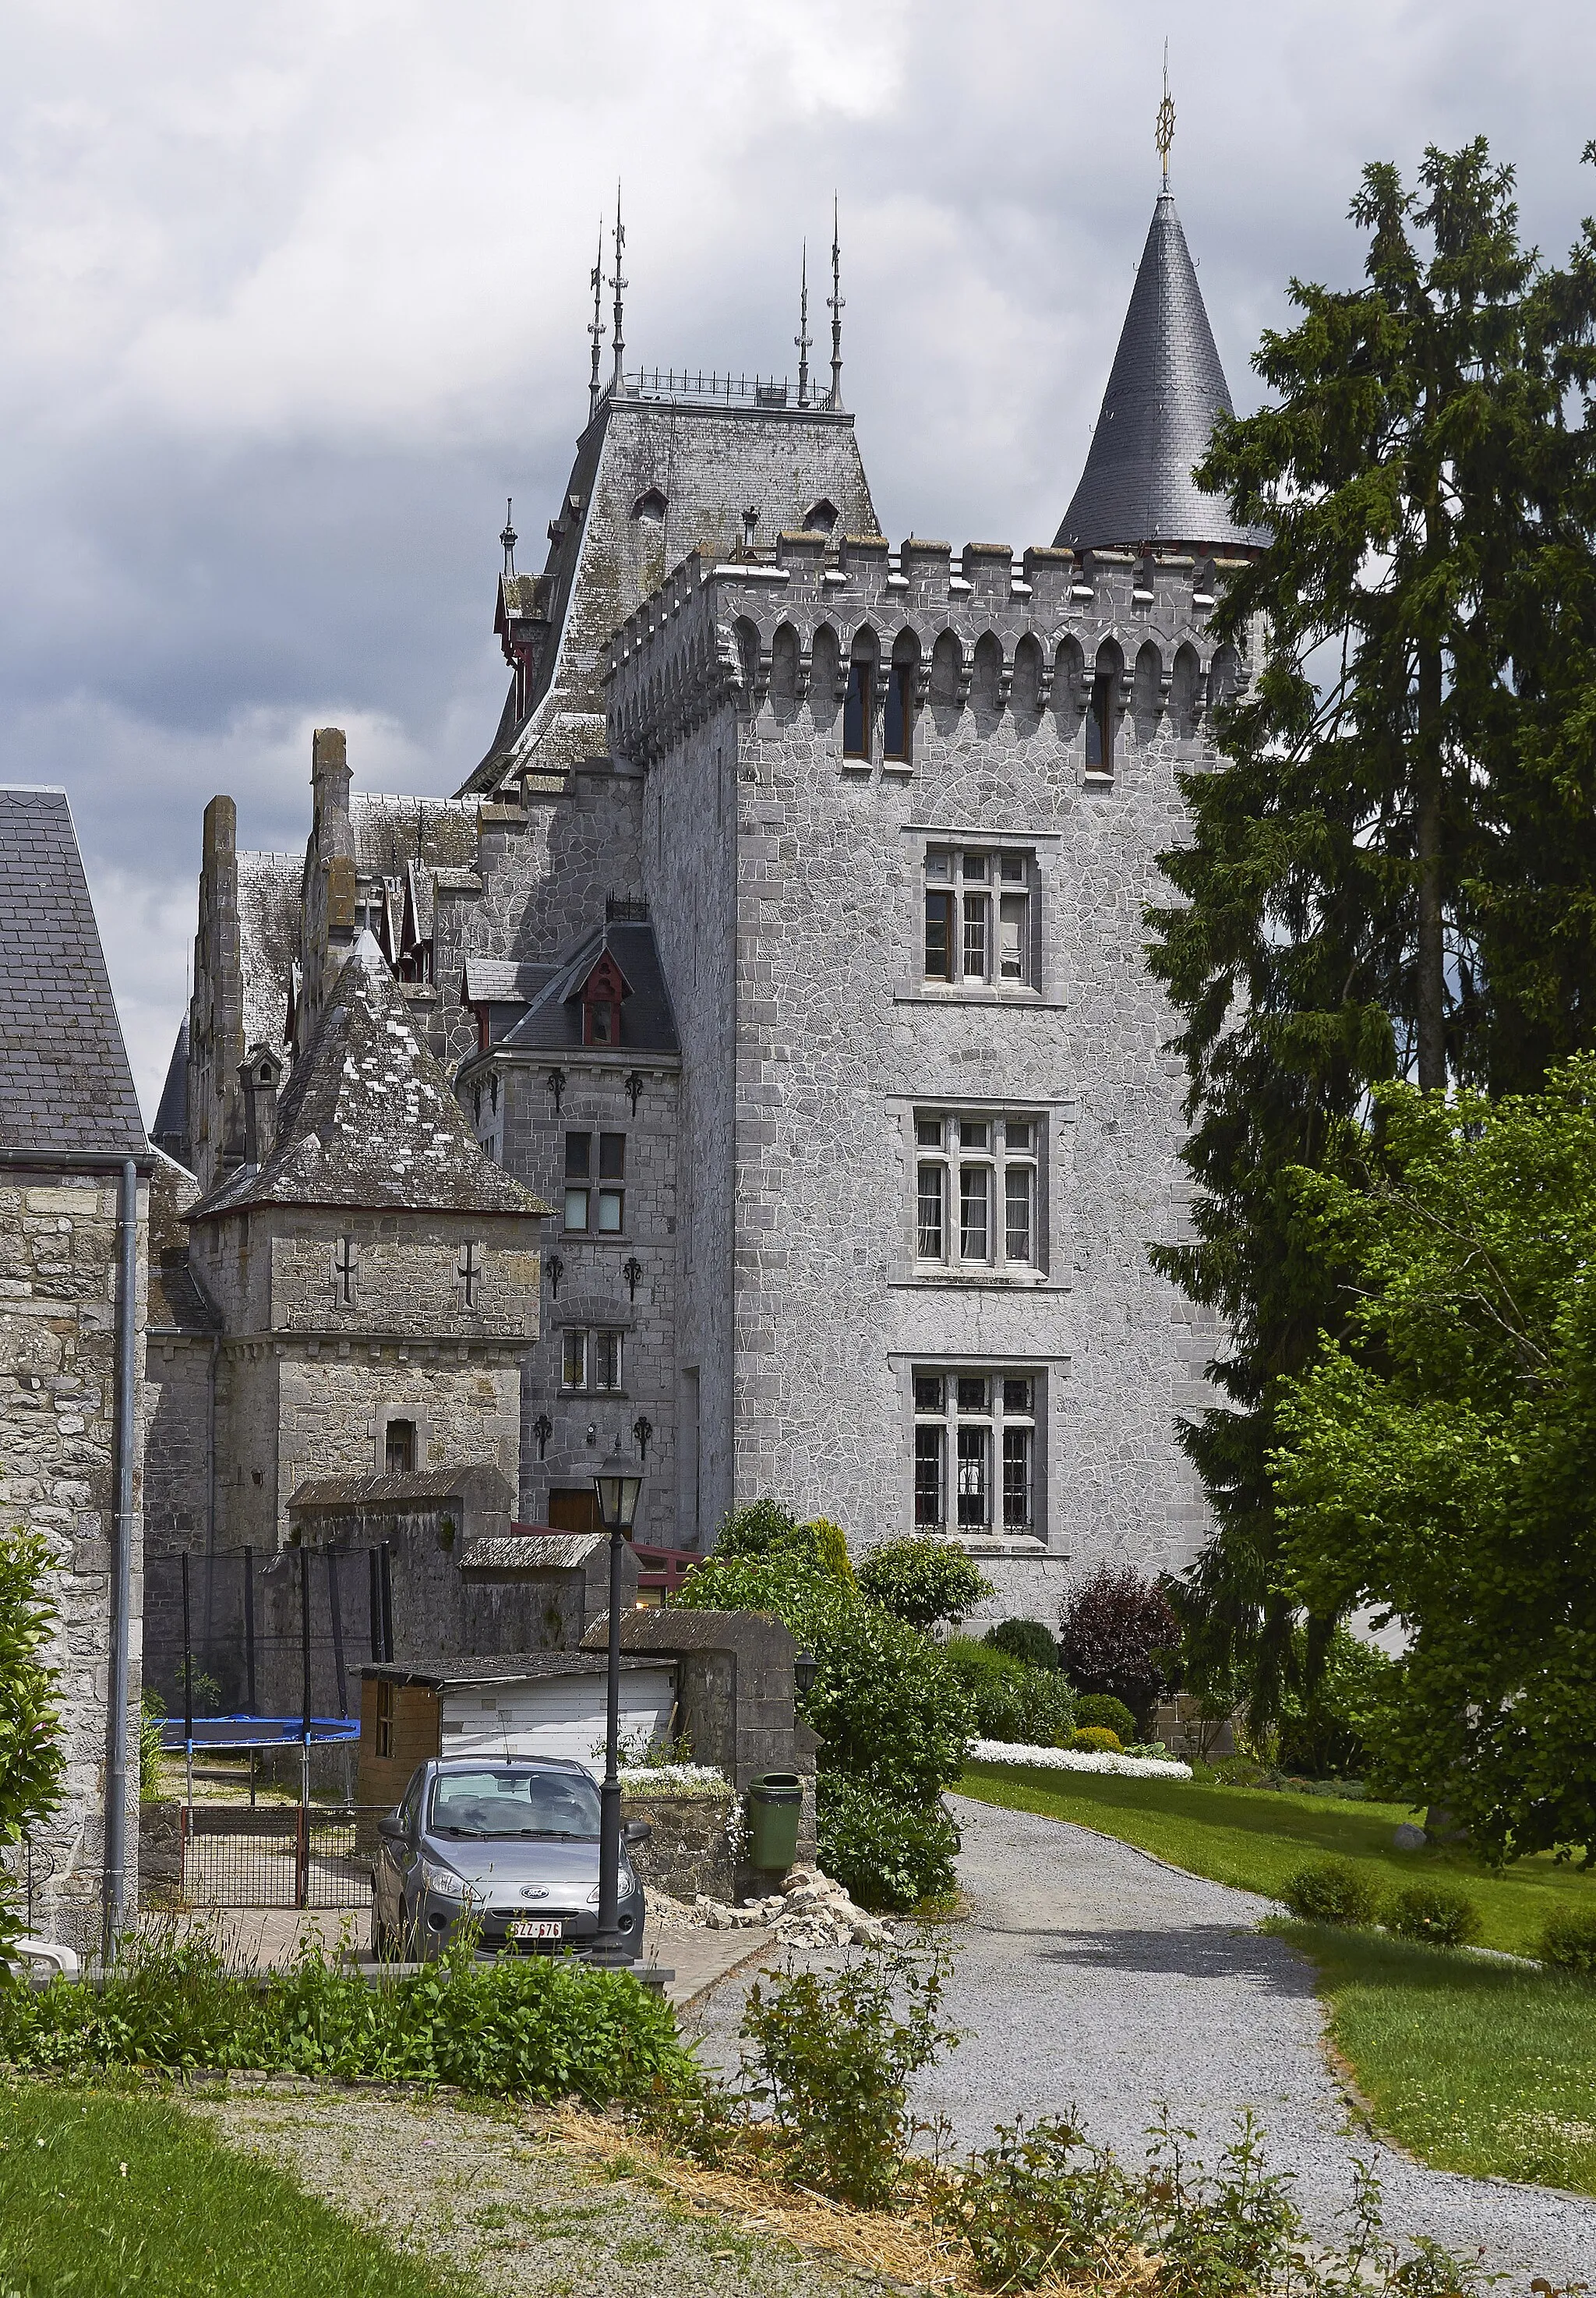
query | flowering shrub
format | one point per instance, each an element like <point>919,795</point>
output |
<point>1066,1760</point>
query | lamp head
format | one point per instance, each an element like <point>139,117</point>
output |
<point>617,1484</point>
<point>805,1668</point>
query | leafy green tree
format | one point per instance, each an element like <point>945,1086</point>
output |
<point>923,1581</point>
<point>31,1761</point>
<point>1403,823</point>
<point>1438,1459</point>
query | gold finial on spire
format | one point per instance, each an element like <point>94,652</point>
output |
<point>1165,134</point>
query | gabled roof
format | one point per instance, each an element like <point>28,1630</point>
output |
<point>268,941</point>
<point>65,1085</point>
<point>1164,389</point>
<point>390,832</point>
<point>368,1119</point>
<point>553,1021</point>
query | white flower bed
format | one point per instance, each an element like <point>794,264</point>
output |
<point>673,1779</point>
<point>1071,1759</point>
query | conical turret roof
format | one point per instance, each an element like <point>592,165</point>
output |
<point>1166,387</point>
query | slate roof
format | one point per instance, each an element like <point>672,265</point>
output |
<point>65,1085</point>
<point>1164,389</point>
<point>269,942</point>
<point>171,1129</point>
<point>391,832</point>
<point>367,1118</point>
<point>553,1021</point>
<point>500,981</point>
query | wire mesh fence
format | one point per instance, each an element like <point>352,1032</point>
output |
<point>299,1855</point>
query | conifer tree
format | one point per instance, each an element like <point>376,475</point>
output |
<point>1379,880</point>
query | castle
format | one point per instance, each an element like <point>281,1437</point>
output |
<point>755,1064</point>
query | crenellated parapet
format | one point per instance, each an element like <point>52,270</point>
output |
<point>979,631</point>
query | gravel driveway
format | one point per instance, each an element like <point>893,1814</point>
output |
<point>1090,1975</point>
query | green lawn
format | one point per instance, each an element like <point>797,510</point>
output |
<point>1473,2065</point>
<point>102,2195</point>
<point>1254,1838</point>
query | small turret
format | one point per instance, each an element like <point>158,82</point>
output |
<point>1165,390</point>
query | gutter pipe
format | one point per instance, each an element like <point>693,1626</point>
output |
<point>121,1564</point>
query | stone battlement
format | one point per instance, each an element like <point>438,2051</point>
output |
<point>808,611</point>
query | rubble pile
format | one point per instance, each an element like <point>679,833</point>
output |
<point>809,1911</point>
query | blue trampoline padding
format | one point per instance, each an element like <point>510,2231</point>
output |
<point>255,1730</point>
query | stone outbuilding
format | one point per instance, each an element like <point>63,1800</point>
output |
<point>75,1172</point>
<point>370,1280</point>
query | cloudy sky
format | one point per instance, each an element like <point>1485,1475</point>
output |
<point>294,296</point>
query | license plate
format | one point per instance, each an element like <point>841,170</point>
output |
<point>529,1931</point>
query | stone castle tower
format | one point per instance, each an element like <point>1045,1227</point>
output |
<point>786,941</point>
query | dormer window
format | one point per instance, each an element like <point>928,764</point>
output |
<point>602,992</point>
<point>821,518</point>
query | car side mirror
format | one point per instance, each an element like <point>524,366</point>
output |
<point>391,1827</point>
<point>636,1831</point>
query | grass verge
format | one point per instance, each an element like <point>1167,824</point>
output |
<point>101,2195</point>
<point>1253,1839</point>
<point>1472,2065</point>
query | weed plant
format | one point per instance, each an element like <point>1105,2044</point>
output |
<point>537,2029</point>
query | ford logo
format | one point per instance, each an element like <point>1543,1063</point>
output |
<point>534,1890</point>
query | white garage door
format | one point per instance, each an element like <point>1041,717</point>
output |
<point>556,1715</point>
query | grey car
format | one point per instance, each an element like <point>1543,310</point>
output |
<point>513,1842</point>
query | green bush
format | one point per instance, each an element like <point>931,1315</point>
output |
<point>1101,1708</point>
<point>31,1761</point>
<point>1332,1891</point>
<point>1096,1739</point>
<point>887,1854</point>
<point>1012,1701</point>
<point>922,1582</point>
<point>1023,1639</point>
<point>152,1709</point>
<point>1435,1914</point>
<point>764,1528</point>
<point>888,1706</point>
<point>537,2028</point>
<point>1568,1942</point>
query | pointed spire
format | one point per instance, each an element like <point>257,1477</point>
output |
<point>1163,135</point>
<point>803,338</point>
<point>618,383</point>
<point>596,325</point>
<point>508,537</point>
<point>1165,390</point>
<point>834,304</point>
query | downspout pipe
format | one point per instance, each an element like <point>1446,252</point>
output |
<point>121,1563</point>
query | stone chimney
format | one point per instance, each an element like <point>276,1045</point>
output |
<point>330,780</point>
<point>259,1073</point>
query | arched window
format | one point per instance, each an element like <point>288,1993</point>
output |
<point>650,507</point>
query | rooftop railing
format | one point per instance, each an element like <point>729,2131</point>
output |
<point>715,389</point>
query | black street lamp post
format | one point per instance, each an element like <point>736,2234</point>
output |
<point>617,1484</point>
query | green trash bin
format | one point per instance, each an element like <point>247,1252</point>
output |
<point>774,1801</point>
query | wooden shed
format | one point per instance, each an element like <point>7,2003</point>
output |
<point>516,1703</point>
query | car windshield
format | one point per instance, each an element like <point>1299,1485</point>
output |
<point>506,1800</point>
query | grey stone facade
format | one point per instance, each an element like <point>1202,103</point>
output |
<point>788,884</point>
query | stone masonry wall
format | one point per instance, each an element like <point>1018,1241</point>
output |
<point>58,1283</point>
<point>838,1039</point>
